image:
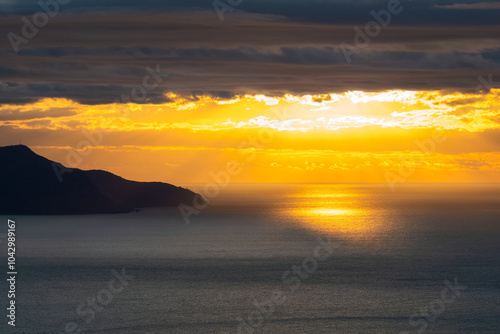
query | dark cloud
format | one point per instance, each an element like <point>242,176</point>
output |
<point>14,114</point>
<point>317,11</point>
<point>469,6</point>
<point>85,94</point>
<point>96,58</point>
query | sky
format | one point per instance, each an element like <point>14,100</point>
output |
<point>256,91</point>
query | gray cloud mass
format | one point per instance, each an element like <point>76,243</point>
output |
<point>94,51</point>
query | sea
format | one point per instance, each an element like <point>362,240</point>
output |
<point>265,258</point>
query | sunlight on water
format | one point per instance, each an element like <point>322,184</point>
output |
<point>329,212</point>
<point>344,210</point>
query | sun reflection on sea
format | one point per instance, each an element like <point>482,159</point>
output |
<point>343,210</point>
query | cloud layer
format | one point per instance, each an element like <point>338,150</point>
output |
<point>93,52</point>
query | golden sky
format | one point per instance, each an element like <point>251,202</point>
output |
<point>395,136</point>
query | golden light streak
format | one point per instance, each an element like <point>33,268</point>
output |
<point>405,109</point>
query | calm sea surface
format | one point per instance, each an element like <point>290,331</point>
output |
<point>268,259</point>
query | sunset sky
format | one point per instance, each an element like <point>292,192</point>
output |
<point>167,91</point>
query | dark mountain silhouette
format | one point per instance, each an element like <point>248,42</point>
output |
<point>30,184</point>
